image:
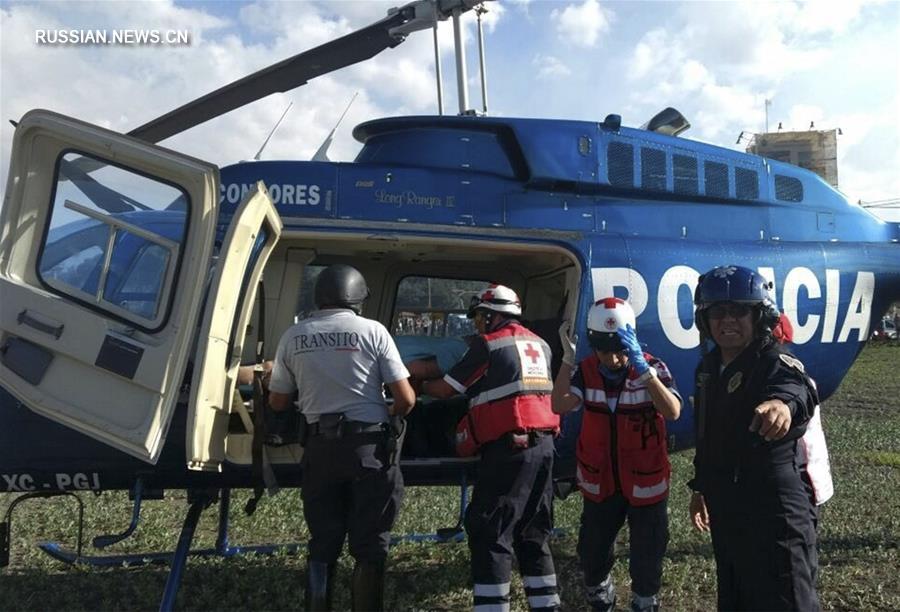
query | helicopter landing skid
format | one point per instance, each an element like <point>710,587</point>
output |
<point>199,500</point>
<point>221,549</point>
<point>444,534</point>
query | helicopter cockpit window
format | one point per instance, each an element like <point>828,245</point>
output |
<point>113,239</point>
<point>435,307</point>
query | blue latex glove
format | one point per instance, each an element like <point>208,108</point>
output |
<point>633,349</point>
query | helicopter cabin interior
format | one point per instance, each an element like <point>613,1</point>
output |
<point>419,287</point>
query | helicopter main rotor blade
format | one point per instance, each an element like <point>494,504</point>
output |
<point>283,76</point>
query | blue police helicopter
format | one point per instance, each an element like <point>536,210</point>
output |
<point>137,281</point>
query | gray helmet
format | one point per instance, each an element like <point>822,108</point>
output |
<point>341,285</point>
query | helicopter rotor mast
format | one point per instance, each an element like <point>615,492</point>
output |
<point>295,71</point>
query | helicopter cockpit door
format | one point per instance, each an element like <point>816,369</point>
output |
<point>252,235</point>
<point>104,251</point>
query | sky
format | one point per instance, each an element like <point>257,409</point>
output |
<point>833,63</point>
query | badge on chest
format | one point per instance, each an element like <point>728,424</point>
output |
<point>735,382</point>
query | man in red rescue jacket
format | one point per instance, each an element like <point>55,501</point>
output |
<point>623,464</point>
<point>506,376</point>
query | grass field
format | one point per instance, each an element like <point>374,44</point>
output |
<point>859,543</point>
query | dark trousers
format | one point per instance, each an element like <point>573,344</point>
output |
<point>649,535</point>
<point>512,513</point>
<point>349,488</point>
<point>764,539</point>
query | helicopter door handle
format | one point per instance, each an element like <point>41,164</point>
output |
<point>54,330</point>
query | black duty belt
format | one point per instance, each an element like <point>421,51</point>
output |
<point>347,428</point>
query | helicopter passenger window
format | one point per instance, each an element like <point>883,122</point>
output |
<point>653,169</point>
<point>306,303</point>
<point>684,169</point>
<point>746,184</point>
<point>620,164</point>
<point>113,239</point>
<point>716,180</point>
<point>436,307</point>
<point>788,188</point>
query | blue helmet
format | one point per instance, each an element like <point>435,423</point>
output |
<point>740,285</point>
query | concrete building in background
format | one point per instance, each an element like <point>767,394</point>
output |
<point>814,150</point>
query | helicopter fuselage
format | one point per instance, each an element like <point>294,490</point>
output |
<point>564,212</point>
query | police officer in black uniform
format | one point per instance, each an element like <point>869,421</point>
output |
<point>752,401</point>
<point>338,362</point>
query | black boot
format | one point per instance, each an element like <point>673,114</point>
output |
<point>319,583</point>
<point>368,586</point>
<point>602,598</point>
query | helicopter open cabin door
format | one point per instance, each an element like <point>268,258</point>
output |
<point>105,246</point>
<point>252,234</point>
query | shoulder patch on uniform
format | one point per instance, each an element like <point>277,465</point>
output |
<point>792,362</point>
<point>735,381</point>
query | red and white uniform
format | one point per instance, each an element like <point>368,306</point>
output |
<point>623,445</point>
<point>506,375</point>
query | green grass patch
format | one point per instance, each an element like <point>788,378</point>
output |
<point>859,535</point>
<point>882,458</point>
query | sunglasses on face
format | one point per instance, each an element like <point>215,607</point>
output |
<point>735,311</point>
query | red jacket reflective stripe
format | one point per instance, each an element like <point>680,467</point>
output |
<point>514,395</point>
<point>623,450</point>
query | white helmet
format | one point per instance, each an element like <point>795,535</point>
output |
<point>605,318</point>
<point>497,298</point>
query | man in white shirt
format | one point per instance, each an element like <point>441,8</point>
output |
<point>338,361</point>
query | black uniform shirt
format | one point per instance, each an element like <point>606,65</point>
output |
<point>725,402</point>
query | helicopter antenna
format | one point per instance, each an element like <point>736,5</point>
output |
<point>258,153</point>
<point>321,154</point>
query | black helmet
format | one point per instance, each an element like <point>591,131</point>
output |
<point>341,285</point>
<point>740,285</point>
